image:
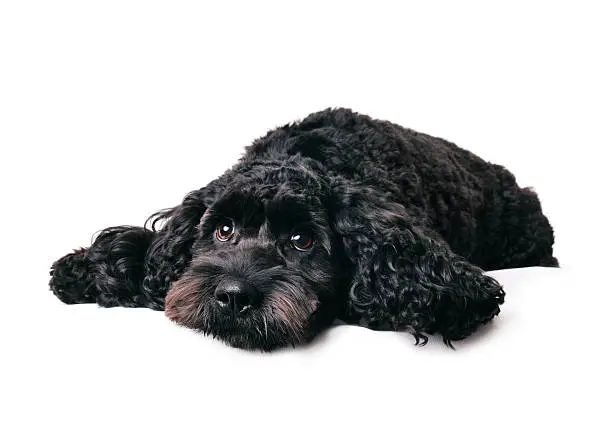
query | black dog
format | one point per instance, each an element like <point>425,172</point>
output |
<point>336,216</point>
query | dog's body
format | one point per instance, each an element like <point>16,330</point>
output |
<point>336,216</point>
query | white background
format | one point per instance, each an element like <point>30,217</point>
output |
<point>112,110</point>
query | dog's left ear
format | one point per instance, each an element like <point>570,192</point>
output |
<point>170,253</point>
<point>405,276</point>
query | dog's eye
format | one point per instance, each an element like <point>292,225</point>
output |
<point>225,230</point>
<point>301,241</point>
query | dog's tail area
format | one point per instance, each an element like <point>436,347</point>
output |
<point>109,272</point>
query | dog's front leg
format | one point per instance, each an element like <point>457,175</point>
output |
<point>110,272</point>
<point>447,294</point>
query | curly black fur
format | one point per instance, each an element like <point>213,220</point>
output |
<point>403,225</point>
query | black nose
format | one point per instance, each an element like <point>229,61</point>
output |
<point>236,296</point>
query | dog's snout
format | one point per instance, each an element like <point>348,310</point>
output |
<point>236,296</point>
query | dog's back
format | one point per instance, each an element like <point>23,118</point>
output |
<point>476,206</point>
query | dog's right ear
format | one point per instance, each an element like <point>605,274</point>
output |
<point>170,253</point>
<point>406,277</point>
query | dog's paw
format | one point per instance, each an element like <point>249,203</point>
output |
<point>71,278</point>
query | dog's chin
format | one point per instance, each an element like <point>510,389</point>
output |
<point>280,321</point>
<point>257,331</point>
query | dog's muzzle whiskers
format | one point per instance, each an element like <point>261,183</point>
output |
<point>265,326</point>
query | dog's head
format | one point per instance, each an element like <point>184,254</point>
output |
<point>266,269</point>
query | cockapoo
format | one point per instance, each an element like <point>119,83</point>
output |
<point>338,216</point>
